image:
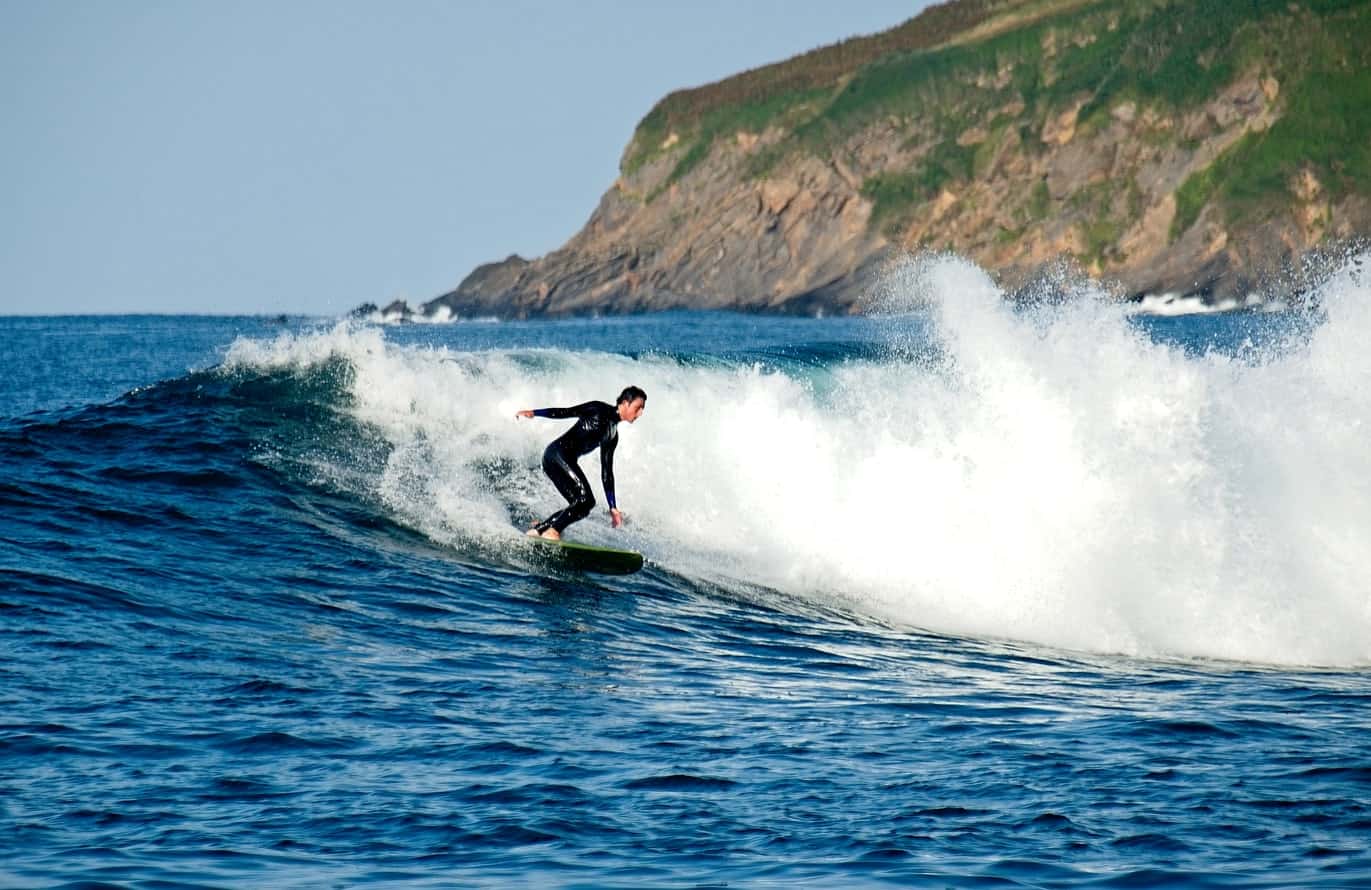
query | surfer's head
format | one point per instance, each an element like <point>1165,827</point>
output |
<point>631,403</point>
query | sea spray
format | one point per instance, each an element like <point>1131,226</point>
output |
<point>1046,473</point>
<point>1105,491</point>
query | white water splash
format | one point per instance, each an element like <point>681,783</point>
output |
<point>1056,477</point>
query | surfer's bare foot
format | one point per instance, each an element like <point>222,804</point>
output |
<point>533,532</point>
<point>552,535</point>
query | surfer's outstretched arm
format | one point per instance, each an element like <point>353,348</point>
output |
<point>578,411</point>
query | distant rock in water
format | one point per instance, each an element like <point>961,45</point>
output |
<point>1201,150</point>
<point>398,311</point>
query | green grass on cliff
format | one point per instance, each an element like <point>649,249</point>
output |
<point>892,192</point>
<point>932,78</point>
<point>1326,129</point>
<point>773,88</point>
<point>1172,54</point>
<point>940,93</point>
<point>913,68</point>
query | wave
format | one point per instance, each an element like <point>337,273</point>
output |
<point>1056,475</point>
<point>1053,476</point>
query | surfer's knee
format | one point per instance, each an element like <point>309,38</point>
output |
<point>584,505</point>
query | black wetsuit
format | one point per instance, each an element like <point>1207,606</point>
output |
<point>597,426</point>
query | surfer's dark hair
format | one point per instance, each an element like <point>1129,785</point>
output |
<point>630,393</point>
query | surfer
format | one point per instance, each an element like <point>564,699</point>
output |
<point>597,426</point>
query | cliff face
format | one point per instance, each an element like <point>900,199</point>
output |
<point>1193,147</point>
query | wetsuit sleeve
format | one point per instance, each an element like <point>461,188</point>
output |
<point>562,413</point>
<point>607,469</point>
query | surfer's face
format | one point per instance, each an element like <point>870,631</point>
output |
<point>630,411</point>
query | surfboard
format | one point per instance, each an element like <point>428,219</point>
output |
<point>588,558</point>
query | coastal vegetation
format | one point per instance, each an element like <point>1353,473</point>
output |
<point>1200,147</point>
<point>1327,131</point>
<point>1001,64</point>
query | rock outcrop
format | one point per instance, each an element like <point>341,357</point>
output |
<point>1122,136</point>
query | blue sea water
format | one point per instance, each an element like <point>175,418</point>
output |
<point>955,594</point>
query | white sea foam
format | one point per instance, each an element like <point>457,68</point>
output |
<point>1172,305</point>
<point>1054,476</point>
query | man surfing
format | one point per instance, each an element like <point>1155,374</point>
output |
<point>597,426</point>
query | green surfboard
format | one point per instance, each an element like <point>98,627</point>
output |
<point>587,558</point>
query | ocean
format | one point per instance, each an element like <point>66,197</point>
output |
<point>960,592</point>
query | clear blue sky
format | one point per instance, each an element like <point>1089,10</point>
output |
<point>311,155</point>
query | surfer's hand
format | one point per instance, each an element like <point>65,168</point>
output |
<point>616,518</point>
<point>524,413</point>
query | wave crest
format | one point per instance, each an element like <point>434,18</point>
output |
<point>1052,474</point>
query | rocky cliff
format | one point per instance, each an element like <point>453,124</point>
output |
<point>1199,147</point>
